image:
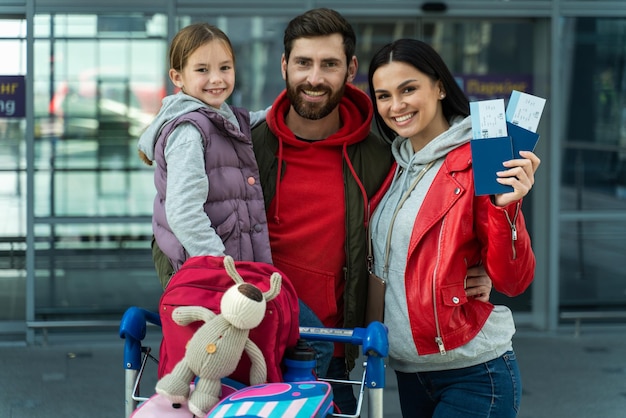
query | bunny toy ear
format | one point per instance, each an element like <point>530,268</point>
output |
<point>275,283</point>
<point>229,264</point>
<point>275,278</point>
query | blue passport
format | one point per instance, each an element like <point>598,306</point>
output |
<point>488,154</point>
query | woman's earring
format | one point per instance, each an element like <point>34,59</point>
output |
<point>442,95</point>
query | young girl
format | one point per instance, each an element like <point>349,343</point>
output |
<point>458,359</point>
<point>209,199</point>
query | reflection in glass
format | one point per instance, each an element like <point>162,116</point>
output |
<point>592,272</point>
<point>12,180</point>
<point>594,157</point>
<point>98,82</point>
<point>593,164</point>
<point>91,105</point>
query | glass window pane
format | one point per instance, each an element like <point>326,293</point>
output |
<point>13,28</point>
<point>41,25</point>
<point>594,156</point>
<point>14,53</point>
<point>12,178</point>
<point>75,25</point>
<point>94,271</point>
<point>91,106</point>
<point>97,84</point>
<point>592,273</point>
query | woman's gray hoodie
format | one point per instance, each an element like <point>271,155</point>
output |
<point>495,337</point>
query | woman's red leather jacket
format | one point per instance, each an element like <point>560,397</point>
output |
<point>454,230</point>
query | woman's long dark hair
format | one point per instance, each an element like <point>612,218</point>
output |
<point>424,58</point>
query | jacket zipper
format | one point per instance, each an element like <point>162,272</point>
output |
<point>513,228</point>
<point>438,338</point>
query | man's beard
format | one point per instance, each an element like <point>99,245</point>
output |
<point>314,111</point>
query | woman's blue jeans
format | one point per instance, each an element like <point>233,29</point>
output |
<point>492,389</point>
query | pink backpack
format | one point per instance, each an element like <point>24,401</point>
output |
<point>201,281</point>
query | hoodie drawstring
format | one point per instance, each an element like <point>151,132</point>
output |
<point>358,182</point>
<point>352,171</point>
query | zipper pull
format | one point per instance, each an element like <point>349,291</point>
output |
<point>512,225</point>
<point>442,349</point>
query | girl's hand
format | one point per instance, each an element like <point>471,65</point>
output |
<point>520,174</point>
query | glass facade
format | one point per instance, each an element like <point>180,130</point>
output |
<point>98,78</point>
<point>593,162</point>
<point>12,173</point>
<point>93,197</point>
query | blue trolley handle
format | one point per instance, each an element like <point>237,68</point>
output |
<point>373,339</point>
<point>133,330</point>
<point>375,345</point>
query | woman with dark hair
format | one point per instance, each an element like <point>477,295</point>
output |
<point>458,360</point>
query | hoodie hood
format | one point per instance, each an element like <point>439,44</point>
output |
<point>355,110</point>
<point>411,163</point>
<point>172,107</point>
<point>459,133</point>
<point>356,113</point>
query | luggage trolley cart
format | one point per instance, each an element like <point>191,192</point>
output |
<point>372,339</point>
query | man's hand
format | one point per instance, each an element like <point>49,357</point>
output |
<point>477,284</point>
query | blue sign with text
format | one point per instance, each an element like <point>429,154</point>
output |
<point>12,96</point>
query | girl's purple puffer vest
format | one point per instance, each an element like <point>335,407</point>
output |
<point>235,203</point>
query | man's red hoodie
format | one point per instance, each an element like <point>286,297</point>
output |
<point>307,215</point>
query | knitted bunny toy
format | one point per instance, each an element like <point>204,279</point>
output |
<point>215,349</point>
